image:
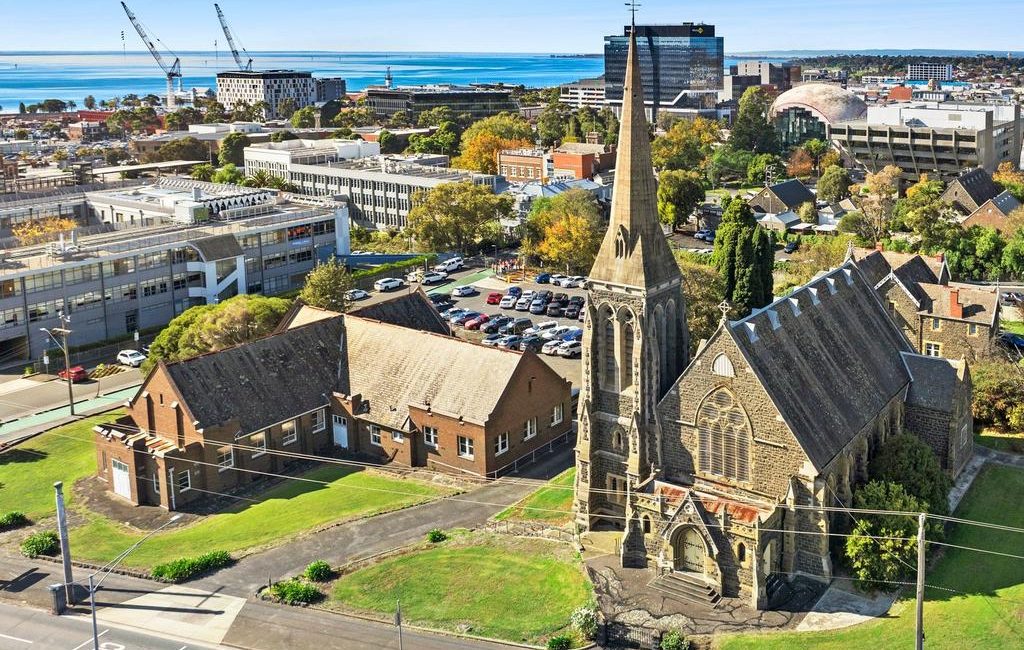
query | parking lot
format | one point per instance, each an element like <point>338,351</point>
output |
<point>484,282</point>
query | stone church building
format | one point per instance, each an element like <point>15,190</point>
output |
<point>712,468</point>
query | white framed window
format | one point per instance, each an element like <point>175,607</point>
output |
<point>466,447</point>
<point>375,435</point>
<point>319,420</point>
<point>557,414</point>
<point>258,442</point>
<point>398,437</point>
<point>972,329</point>
<point>430,437</point>
<point>288,433</point>
<point>932,349</point>
<point>936,325</point>
<point>184,481</point>
<point>225,458</point>
<point>529,428</point>
<point>501,444</point>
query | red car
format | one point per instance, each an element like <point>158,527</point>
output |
<point>494,298</point>
<point>77,374</point>
<point>477,322</point>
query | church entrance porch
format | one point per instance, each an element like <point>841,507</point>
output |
<point>688,551</point>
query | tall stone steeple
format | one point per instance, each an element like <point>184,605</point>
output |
<point>635,337</point>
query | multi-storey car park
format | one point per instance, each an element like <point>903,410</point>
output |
<point>152,251</point>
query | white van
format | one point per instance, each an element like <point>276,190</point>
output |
<point>447,266</point>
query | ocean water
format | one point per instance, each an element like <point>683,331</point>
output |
<point>33,76</point>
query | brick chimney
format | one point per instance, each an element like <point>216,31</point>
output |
<point>941,257</point>
<point>880,247</point>
<point>956,310</point>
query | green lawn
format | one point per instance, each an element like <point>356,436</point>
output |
<point>283,512</point>
<point>1015,327</point>
<point>1009,441</point>
<point>545,500</point>
<point>508,588</point>
<point>989,615</point>
<point>28,471</point>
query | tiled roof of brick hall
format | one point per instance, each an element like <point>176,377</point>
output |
<point>828,355</point>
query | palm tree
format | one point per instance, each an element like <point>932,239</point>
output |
<point>203,172</point>
<point>260,178</point>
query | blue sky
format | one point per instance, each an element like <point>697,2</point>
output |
<point>517,26</point>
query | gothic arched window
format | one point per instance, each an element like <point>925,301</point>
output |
<point>609,364</point>
<point>621,239</point>
<point>723,437</point>
<point>627,354</point>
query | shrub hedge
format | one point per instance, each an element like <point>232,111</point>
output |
<point>12,520</point>
<point>42,543</point>
<point>436,536</point>
<point>189,567</point>
<point>318,571</point>
<point>560,642</point>
<point>295,592</point>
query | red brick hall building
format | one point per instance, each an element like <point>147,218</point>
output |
<point>398,391</point>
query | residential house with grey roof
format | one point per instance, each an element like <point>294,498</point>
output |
<point>970,190</point>
<point>371,386</point>
<point>786,196</point>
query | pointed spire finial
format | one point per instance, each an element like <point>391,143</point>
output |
<point>633,6</point>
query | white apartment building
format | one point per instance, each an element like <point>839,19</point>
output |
<point>276,158</point>
<point>929,71</point>
<point>270,86</point>
<point>585,92</point>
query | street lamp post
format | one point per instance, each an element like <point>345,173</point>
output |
<point>105,570</point>
<point>63,332</point>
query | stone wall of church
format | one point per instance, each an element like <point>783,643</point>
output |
<point>775,454</point>
<point>903,310</point>
<point>933,427</point>
<point>955,339</point>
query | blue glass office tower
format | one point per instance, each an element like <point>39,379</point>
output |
<point>682,65</point>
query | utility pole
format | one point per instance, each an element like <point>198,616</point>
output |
<point>65,553</point>
<point>919,636</point>
<point>398,622</point>
<point>63,331</point>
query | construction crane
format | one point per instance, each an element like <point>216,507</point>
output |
<point>172,71</point>
<point>244,67</point>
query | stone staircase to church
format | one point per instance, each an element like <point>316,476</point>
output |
<point>686,588</point>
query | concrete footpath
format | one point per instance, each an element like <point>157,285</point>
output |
<point>30,425</point>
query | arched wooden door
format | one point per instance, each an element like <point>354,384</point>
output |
<point>689,551</point>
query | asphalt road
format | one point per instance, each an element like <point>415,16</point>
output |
<point>33,629</point>
<point>19,397</point>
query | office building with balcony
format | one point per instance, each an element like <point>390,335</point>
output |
<point>146,253</point>
<point>276,158</point>
<point>270,86</point>
<point>585,92</point>
<point>929,71</point>
<point>412,100</point>
<point>937,138</point>
<point>682,67</point>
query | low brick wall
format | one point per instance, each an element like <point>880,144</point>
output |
<point>541,529</point>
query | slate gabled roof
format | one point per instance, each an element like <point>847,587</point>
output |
<point>934,381</point>
<point>413,310</point>
<point>792,192</point>
<point>829,357</point>
<point>264,382</point>
<point>977,184</point>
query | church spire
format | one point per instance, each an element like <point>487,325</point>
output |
<point>634,252</point>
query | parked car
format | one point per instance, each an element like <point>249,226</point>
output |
<point>465,317</point>
<point>540,327</point>
<point>583,315</point>
<point>517,326</point>
<point>433,277</point>
<point>523,304</point>
<point>791,247</point>
<point>564,281</point>
<point>543,278</point>
<point>492,339</point>
<point>494,298</point>
<point>556,332</point>
<point>573,310</point>
<point>356,294</point>
<point>508,302</point>
<point>510,342</point>
<point>570,349</point>
<point>132,358</point>
<point>529,293</point>
<point>577,300</point>
<point>551,347</point>
<point>449,265</point>
<point>77,374</point>
<point>545,295</point>
<point>449,314</point>
<point>492,326</point>
<point>477,322</point>
<point>561,298</point>
<point>556,279</point>
<point>574,334</point>
<point>514,291</point>
<point>702,234</point>
<point>554,309</point>
<point>388,284</point>
<point>531,343</point>
<point>575,281</point>
<point>538,306</point>
<point>1012,340</point>
<point>467,290</point>
<point>439,298</point>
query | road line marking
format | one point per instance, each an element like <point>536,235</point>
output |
<point>88,641</point>
<point>14,638</point>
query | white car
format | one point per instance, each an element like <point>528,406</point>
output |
<point>556,279</point>
<point>551,347</point>
<point>555,333</point>
<point>132,358</point>
<point>467,290</point>
<point>447,266</point>
<point>540,327</point>
<point>570,349</point>
<point>523,304</point>
<point>574,281</point>
<point>356,294</point>
<point>508,302</point>
<point>387,284</point>
<point>434,277</point>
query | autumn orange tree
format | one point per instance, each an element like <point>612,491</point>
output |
<point>481,152</point>
<point>40,231</point>
<point>567,231</point>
